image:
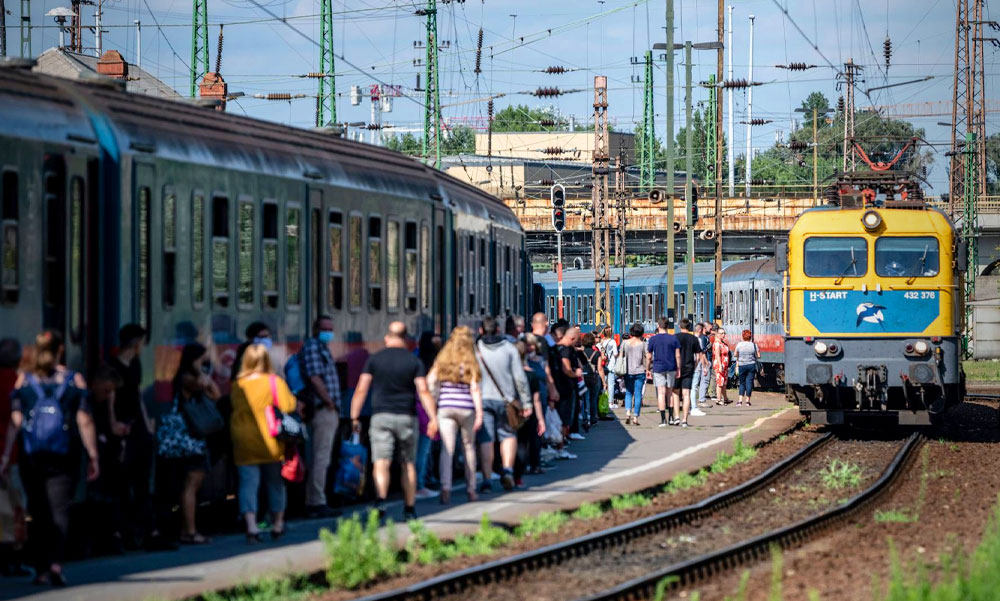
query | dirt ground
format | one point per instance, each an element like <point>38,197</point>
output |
<point>947,496</point>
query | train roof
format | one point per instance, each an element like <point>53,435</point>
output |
<point>756,269</point>
<point>647,275</point>
<point>97,110</point>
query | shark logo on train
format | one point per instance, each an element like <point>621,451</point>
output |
<point>871,313</point>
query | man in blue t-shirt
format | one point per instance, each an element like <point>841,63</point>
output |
<point>664,361</point>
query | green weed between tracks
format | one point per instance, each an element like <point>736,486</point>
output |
<point>723,461</point>
<point>841,474</point>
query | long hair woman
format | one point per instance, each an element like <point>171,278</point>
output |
<point>181,457</point>
<point>257,454</point>
<point>49,458</point>
<point>455,377</point>
<point>634,350</point>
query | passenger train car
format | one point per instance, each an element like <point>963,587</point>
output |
<point>193,222</point>
<point>874,312</point>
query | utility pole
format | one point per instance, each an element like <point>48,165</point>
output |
<point>601,228</point>
<point>3,29</point>
<point>98,32</point>
<point>850,73</point>
<point>26,29</point>
<point>720,148</point>
<point>732,139</point>
<point>199,41</point>
<point>669,135</point>
<point>688,180</point>
<point>749,157</point>
<point>647,155</point>
<point>621,200</point>
<point>432,94</point>
<point>815,161</point>
<point>711,148</point>
<point>138,44</point>
<point>326,96</point>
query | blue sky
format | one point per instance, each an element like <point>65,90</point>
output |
<point>590,36</point>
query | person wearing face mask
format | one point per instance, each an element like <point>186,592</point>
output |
<point>324,386</point>
<point>181,457</point>
<point>256,333</point>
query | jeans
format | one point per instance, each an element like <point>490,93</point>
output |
<point>611,387</point>
<point>747,372</point>
<point>49,488</point>
<point>699,385</point>
<point>583,409</point>
<point>423,454</point>
<point>594,390</point>
<point>251,476</point>
<point>633,392</point>
<point>324,431</point>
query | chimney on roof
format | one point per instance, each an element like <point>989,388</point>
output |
<point>113,65</point>
<point>213,86</point>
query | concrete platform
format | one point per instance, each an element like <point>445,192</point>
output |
<point>614,459</point>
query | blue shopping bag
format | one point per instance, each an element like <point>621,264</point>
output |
<point>350,480</point>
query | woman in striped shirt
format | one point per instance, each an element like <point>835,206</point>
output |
<point>455,380</point>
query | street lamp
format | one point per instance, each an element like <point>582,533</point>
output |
<point>688,190</point>
<point>60,13</point>
<point>815,114</point>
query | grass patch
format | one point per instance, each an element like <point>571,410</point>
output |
<point>741,454</point>
<point>982,371</point>
<point>895,516</point>
<point>685,481</point>
<point>587,511</point>
<point>267,589</point>
<point>547,521</point>
<point>628,501</point>
<point>485,540</point>
<point>425,547</point>
<point>359,553</point>
<point>841,474</point>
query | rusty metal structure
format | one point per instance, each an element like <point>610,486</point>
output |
<point>849,79</point>
<point>601,211</point>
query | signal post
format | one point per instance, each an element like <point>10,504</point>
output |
<point>557,195</point>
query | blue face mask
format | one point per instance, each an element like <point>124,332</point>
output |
<point>325,337</point>
<point>264,341</point>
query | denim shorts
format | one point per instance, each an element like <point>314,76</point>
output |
<point>495,426</point>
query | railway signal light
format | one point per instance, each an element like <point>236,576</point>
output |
<point>559,219</point>
<point>694,206</point>
<point>557,195</point>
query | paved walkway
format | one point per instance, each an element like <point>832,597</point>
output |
<point>614,459</point>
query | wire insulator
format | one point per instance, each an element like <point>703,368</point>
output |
<point>756,122</point>
<point>840,104</point>
<point>557,70</point>
<point>552,150</point>
<point>218,53</point>
<point>887,51</point>
<point>546,182</point>
<point>798,145</point>
<point>796,66</point>
<point>278,96</point>
<point>547,122</point>
<point>479,52</point>
<point>546,92</point>
<point>737,84</point>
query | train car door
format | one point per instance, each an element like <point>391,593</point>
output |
<point>442,266</point>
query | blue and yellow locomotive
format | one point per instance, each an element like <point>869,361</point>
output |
<point>874,312</point>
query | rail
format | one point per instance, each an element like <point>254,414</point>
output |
<point>538,559</point>
<point>703,566</point>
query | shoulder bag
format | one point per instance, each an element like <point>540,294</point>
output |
<point>286,427</point>
<point>621,362</point>
<point>202,416</point>
<point>515,411</point>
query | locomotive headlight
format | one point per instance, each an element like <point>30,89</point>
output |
<point>820,347</point>
<point>921,347</point>
<point>871,220</point>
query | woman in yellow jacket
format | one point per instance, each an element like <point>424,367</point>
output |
<point>257,454</point>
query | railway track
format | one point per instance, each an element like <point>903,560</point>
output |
<point>552,557</point>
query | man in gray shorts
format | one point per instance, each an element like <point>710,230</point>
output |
<point>501,378</point>
<point>395,377</point>
<point>663,360</point>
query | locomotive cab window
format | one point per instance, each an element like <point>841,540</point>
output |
<point>835,257</point>
<point>269,255</point>
<point>908,257</point>
<point>9,213</point>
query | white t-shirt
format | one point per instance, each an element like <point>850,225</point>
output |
<point>610,349</point>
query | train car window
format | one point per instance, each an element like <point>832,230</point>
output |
<point>425,269</point>
<point>742,308</point>
<point>169,279</point>
<point>9,217</point>
<point>392,266</point>
<point>246,254</point>
<point>835,257</point>
<point>682,307</point>
<point>220,251</point>
<point>593,311</point>
<point>293,269</point>
<point>143,218</point>
<point>335,229</point>
<point>76,259</point>
<point>354,247</point>
<point>269,255</point>
<point>197,249</point>
<point>410,265</point>
<point>907,257</point>
<point>375,263</point>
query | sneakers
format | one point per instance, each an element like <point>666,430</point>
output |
<point>684,424</point>
<point>486,487</point>
<point>426,493</point>
<point>674,421</point>
<point>321,511</point>
<point>662,425</point>
<point>409,514</point>
<point>697,412</point>
<point>565,454</point>
<point>507,480</point>
<point>576,436</point>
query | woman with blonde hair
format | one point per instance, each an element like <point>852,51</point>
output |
<point>455,378</point>
<point>257,454</point>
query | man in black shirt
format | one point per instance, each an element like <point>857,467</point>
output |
<point>540,327</point>
<point>396,377</point>
<point>566,374</point>
<point>690,347</point>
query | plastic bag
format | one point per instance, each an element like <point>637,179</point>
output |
<point>553,427</point>
<point>350,480</point>
<point>603,407</point>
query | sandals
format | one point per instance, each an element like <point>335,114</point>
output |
<point>276,534</point>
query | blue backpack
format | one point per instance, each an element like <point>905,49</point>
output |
<point>46,429</point>
<point>295,374</point>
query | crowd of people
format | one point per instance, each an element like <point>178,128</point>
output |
<point>516,397</point>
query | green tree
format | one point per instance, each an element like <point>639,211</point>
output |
<point>815,100</point>
<point>993,164</point>
<point>407,144</point>
<point>460,140</point>
<point>520,117</point>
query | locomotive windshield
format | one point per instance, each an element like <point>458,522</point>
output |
<point>835,257</point>
<point>906,257</point>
